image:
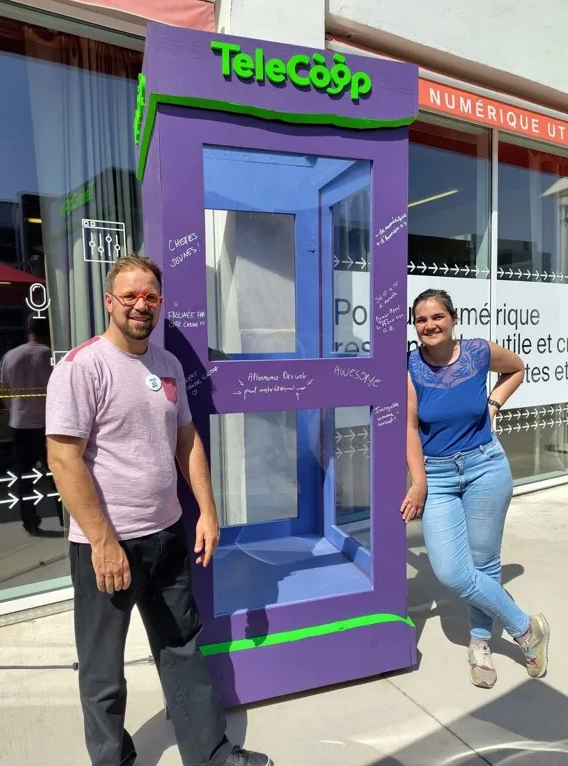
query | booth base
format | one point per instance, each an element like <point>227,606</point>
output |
<point>267,672</point>
<point>253,575</point>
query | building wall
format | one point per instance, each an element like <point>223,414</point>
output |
<point>301,22</point>
<point>520,42</point>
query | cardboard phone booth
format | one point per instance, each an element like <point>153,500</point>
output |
<point>275,200</point>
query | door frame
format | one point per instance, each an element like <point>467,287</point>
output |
<point>352,180</point>
<point>307,334</point>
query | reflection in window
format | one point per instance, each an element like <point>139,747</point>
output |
<point>536,441</point>
<point>65,156</point>
<point>351,248</point>
<point>251,274</point>
<point>353,473</point>
<point>449,199</point>
<point>350,221</point>
<point>532,248</point>
<point>292,490</point>
<point>533,210</point>
<point>254,467</point>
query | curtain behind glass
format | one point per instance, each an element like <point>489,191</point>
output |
<point>82,95</point>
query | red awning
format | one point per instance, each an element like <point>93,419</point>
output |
<point>193,14</point>
<point>15,285</point>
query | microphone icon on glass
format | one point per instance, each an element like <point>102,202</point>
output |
<point>43,302</point>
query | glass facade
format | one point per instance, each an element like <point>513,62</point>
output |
<point>69,205</point>
<point>514,296</point>
<point>532,257</point>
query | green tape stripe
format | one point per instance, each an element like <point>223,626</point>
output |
<point>289,636</point>
<point>147,135</point>
<point>358,123</point>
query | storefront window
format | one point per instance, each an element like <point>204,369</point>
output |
<point>69,206</point>
<point>449,201</point>
<point>449,248</point>
<point>449,213</point>
<point>531,314</point>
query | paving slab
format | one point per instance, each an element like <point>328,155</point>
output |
<point>430,716</point>
<point>520,721</point>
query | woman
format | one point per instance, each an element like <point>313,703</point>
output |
<point>461,477</point>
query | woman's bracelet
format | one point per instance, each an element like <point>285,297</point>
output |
<point>493,403</point>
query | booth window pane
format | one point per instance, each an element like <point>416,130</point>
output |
<point>65,158</point>
<point>292,489</point>
<point>353,473</point>
<point>254,460</point>
<point>351,248</point>
<point>287,254</point>
<point>251,280</point>
<point>531,312</point>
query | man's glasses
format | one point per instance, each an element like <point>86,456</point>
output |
<point>151,299</point>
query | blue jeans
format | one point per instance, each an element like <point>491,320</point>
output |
<point>464,516</point>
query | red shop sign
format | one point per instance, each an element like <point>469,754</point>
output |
<point>435,97</point>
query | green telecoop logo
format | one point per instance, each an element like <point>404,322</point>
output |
<point>301,70</point>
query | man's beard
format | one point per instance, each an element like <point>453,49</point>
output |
<point>138,331</point>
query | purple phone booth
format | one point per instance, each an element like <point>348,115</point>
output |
<point>275,199</point>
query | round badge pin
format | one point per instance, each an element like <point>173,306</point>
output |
<point>153,382</point>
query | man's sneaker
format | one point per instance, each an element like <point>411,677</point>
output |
<point>482,670</point>
<point>535,648</point>
<point>241,757</point>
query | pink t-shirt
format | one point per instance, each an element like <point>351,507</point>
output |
<point>129,409</point>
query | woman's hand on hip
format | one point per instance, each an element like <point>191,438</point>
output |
<point>413,504</point>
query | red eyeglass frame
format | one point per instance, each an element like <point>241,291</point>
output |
<point>137,296</point>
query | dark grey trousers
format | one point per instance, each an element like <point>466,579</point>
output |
<point>161,588</point>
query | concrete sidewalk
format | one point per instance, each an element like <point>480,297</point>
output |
<point>431,716</point>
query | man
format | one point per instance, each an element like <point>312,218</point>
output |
<point>24,374</point>
<point>117,420</point>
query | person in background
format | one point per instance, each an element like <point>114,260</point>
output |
<point>24,374</point>
<point>461,478</point>
<point>118,418</point>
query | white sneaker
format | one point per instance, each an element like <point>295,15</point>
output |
<point>535,648</point>
<point>482,670</point>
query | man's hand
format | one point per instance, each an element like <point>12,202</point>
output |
<point>111,567</point>
<point>193,464</point>
<point>207,537</point>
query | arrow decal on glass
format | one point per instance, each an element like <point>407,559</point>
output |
<point>455,270</point>
<point>350,441</point>
<point>351,262</point>
<point>531,419</point>
<point>11,479</point>
<point>10,502</point>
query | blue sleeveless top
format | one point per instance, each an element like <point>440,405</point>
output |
<point>453,414</point>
